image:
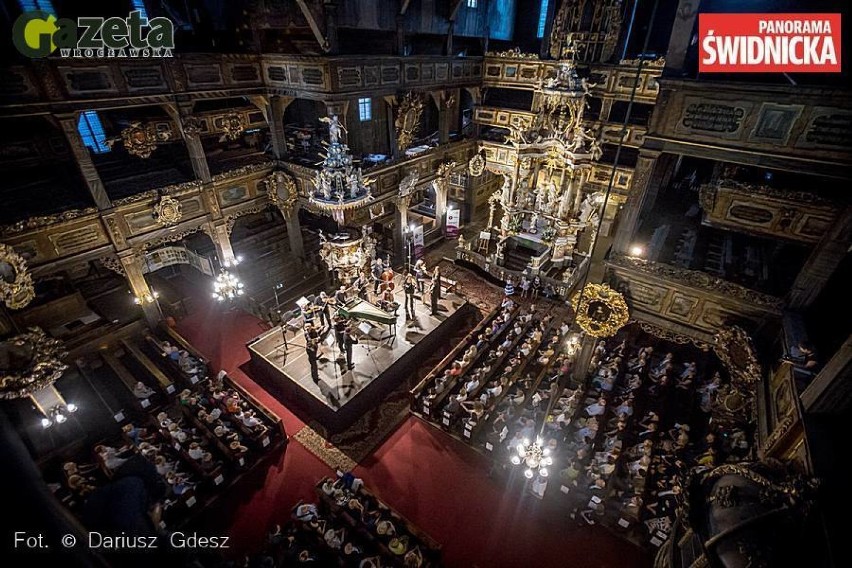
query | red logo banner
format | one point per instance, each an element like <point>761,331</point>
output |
<point>764,43</point>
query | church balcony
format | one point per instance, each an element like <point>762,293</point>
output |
<point>802,128</point>
<point>85,85</point>
<point>691,301</point>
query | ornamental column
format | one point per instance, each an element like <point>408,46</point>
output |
<point>96,188</point>
<point>131,262</point>
<point>642,190</point>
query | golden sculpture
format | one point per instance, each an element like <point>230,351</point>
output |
<point>476,165</point>
<point>141,140</point>
<point>16,284</point>
<point>233,125</point>
<point>168,211</point>
<point>32,361</point>
<point>600,310</point>
<point>282,192</point>
<point>408,120</point>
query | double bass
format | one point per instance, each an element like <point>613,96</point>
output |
<point>386,280</point>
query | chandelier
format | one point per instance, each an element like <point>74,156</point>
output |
<point>57,414</point>
<point>227,286</point>
<point>534,456</point>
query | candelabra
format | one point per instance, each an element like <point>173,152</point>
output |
<point>534,456</point>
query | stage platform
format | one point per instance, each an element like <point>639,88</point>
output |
<point>380,361</point>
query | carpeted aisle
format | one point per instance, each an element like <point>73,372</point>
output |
<point>435,481</point>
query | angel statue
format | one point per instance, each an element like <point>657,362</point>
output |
<point>334,128</point>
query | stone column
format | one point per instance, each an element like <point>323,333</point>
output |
<point>132,264</point>
<point>822,262</point>
<point>84,161</point>
<point>642,190</point>
<point>222,241</point>
<point>681,36</point>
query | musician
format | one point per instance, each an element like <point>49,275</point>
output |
<point>420,274</point>
<point>436,290</point>
<point>340,326</point>
<point>387,302</point>
<point>361,286</point>
<point>377,268</point>
<point>348,339</point>
<point>311,348</point>
<point>322,302</point>
<point>409,285</point>
<point>340,296</point>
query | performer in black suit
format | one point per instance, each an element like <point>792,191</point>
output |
<point>311,350</point>
<point>348,340</point>
<point>409,286</point>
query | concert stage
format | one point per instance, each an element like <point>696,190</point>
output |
<point>380,361</point>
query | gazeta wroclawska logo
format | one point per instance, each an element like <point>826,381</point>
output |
<point>39,34</point>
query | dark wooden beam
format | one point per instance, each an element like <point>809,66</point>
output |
<point>312,22</point>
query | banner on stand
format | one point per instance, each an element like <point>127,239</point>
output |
<point>453,221</point>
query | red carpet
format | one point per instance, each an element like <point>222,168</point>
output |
<point>438,483</point>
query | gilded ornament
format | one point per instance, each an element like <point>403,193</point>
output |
<point>408,120</point>
<point>35,363</point>
<point>600,310</point>
<point>168,211</point>
<point>233,125</point>
<point>16,283</point>
<point>141,140</point>
<point>193,126</point>
<point>476,165</point>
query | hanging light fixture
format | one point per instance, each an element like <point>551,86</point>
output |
<point>227,286</point>
<point>534,456</point>
<point>57,414</point>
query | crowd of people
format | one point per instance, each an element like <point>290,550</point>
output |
<point>347,526</point>
<point>643,417</point>
<point>180,451</point>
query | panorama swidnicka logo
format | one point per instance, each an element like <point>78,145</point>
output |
<point>760,43</point>
<point>39,34</point>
